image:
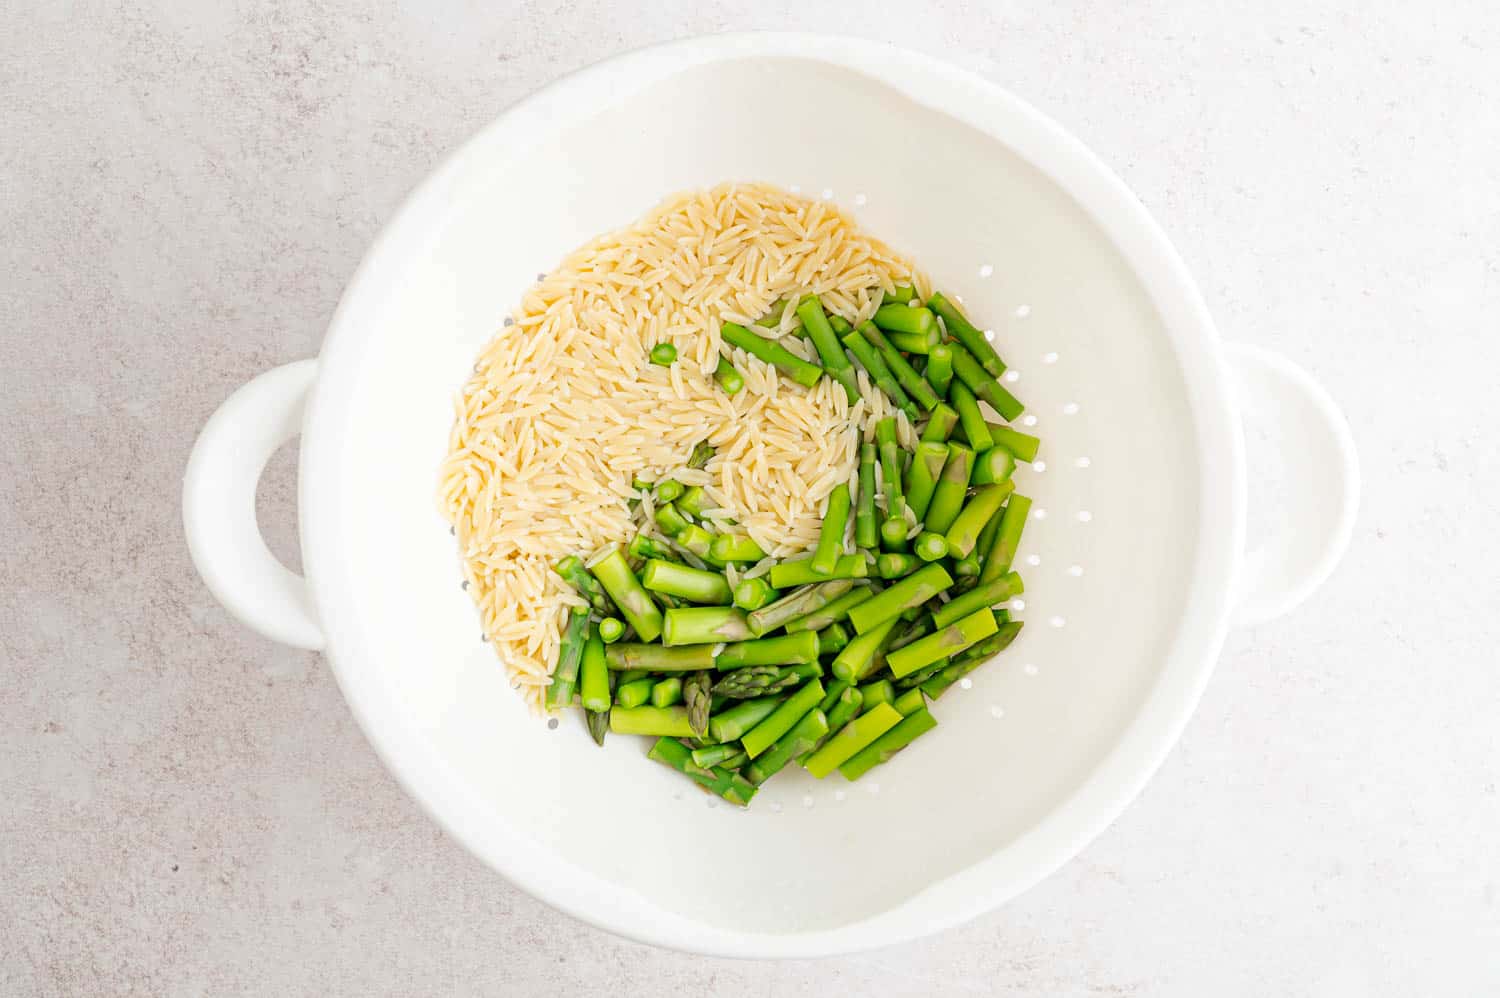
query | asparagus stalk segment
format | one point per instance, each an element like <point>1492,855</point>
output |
<point>735,547</point>
<point>885,747</point>
<point>831,535</point>
<point>597,721</point>
<point>826,342</point>
<point>866,527</point>
<point>970,418</point>
<point>704,625</point>
<point>945,642</point>
<point>702,452</point>
<point>714,755</point>
<point>671,722</point>
<point>670,520</point>
<point>961,329</point>
<point>801,739</point>
<point>1002,553</point>
<point>939,373</point>
<point>940,423</point>
<point>658,658</point>
<point>799,370</point>
<point>922,477</point>
<point>611,569</point>
<point>695,539</point>
<point>730,725</point>
<point>879,691</point>
<point>995,465</point>
<point>963,533</point>
<point>986,594</point>
<point>782,719</point>
<point>664,354</point>
<point>1023,445</point>
<point>910,701</point>
<point>729,785</point>
<point>593,683</point>
<point>764,680</point>
<point>871,360</point>
<point>983,385</point>
<point>667,692</point>
<point>800,648</point>
<point>918,343</point>
<point>693,501</point>
<point>569,656</point>
<point>697,697</point>
<point>895,564</point>
<point>832,639</point>
<point>901,293</point>
<point>914,590</point>
<point>832,612</point>
<point>800,571</point>
<point>689,583</point>
<point>572,570</point>
<point>971,660</point>
<point>728,376</point>
<point>840,712</point>
<point>948,495</point>
<point>752,594</point>
<point>785,611</point>
<point>842,745</point>
<point>905,319</point>
<point>857,660</point>
<point>929,546</point>
<point>611,629</point>
<point>634,693</point>
<point>916,386</point>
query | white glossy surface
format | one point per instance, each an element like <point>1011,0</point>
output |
<point>195,187</point>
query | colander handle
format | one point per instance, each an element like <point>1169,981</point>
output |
<point>218,505</point>
<point>1281,570</point>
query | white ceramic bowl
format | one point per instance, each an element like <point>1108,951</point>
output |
<point>1118,361</point>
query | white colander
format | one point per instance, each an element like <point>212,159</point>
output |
<point>1133,560</point>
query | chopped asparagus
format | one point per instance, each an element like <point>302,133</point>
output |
<point>922,477</point>
<point>611,569</point>
<point>800,571</point>
<point>801,739</point>
<point>593,682</point>
<point>939,373</point>
<point>857,660</point>
<point>735,547</point>
<point>884,747</point>
<point>658,658</point>
<point>649,720</point>
<point>831,612</point>
<point>963,533</point>
<point>698,699</point>
<point>689,583</point>
<point>970,418</point>
<point>871,360</point>
<point>865,524</point>
<point>986,594</point>
<point>730,725</point>
<point>728,376</point>
<point>912,591</point>
<point>570,654</point>
<point>799,370</point>
<point>826,342</point>
<point>961,329</point>
<point>704,625</point>
<point>945,642</point>
<point>993,466</point>
<point>842,745</point>
<point>940,423</point>
<point>831,535</point>
<point>808,599</point>
<point>952,486</point>
<point>753,594</point>
<point>1002,553</point>
<point>782,719</point>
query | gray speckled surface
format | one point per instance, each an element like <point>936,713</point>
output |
<point>188,809</point>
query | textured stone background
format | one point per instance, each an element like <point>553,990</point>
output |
<point>187,809</point>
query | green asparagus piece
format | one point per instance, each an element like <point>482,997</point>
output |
<point>728,376</point>
<point>611,569</point>
<point>971,660</point>
<point>865,524</point>
<point>644,547</point>
<point>569,656</point>
<point>1002,553</point>
<point>922,477</point>
<point>905,319</point>
<point>939,373</point>
<point>895,564</point>
<point>782,719</point>
<point>883,748</point>
<point>842,745</point>
<point>968,567</point>
<point>772,319</point>
<point>871,360</point>
<point>648,720</point>
<point>694,501</point>
<point>752,594</point>
<point>831,612</point>
<point>986,594</point>
<point>764,680</point>
<point>832,639</point>
<point>910,701</point>
<point>858,657</point>
<point>799,370</point>
<point>597,722</point>
<point>940,423</point>
<point>704,625</point>
<point>667,692</point>
<point>641,484</point>
<point>658,658</point>
<point>839,323</point>
<point>731,786</point>
<point>963,533</point>
<point>880,691</point>
<point>714,755</point>
<point>689,583</point>
<point>835,689</point>
<point>626,675</point>
<point>947,641</point>
<point>664,354</point>
<point>593,682</point>
<point>702,452</point>
<point>826,342</point>
<point>918,343</point>
<point>785,611</point>
<point>953,484</point>
<point>1023,445</point>
<point>572,570</point>
<point>800,571</point>
<point>611,629</point>
<point>695,539</point>
<point>983,385</point>
<point>902,294</point>
<point>975,558</point>
<point>970,418</point>
<point>671,522</point>
<point>731,724</point>
<point>890,468</point>
<point>784,649</point>
<point>921,627</point>
<point>802,738</point>
<point>963,330</point>
<point>929,546</point>
<point>914,590</point>
<point>843,709</point>
<point>735,547</point>
<point>893,534</point>
<point>697,697</point>
<point>916,386</point>
<point>831,535</point>
<point>993,466</point>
